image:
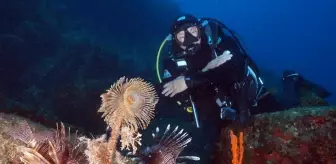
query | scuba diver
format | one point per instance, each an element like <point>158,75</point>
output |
<point>208,71</point>
<point>208,68</point>
<point>210,75</point>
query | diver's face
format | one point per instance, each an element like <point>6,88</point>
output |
<point>181,36</point>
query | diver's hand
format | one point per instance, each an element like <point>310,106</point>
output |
<point>218,61</point>
<point>174,87</point>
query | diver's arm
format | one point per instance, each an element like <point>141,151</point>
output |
<point>231,70</point>
<point>170,73</point>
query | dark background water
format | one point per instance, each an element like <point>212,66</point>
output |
<point>281,34</point>
<point>58,56</point>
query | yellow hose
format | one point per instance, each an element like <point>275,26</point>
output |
<point>189,109</point>
<point>158,60</point>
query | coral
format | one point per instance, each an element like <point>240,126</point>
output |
<point>129,139</point>
<point>127,107</point>
<point>133,101</point>
<point>237,148</point>
<point>300,135</point>
<point>97,151</point>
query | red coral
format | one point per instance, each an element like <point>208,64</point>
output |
<point>286,160</point>
<point>258,156</point>
<point>274,156</point>
<point>319,120</point>
<point>283,135</point>
<point>303,148</point>
<point>314,141</point>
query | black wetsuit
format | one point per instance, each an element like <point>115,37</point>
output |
<point>206,87</point>
<point>228,80</point>
<point>220,82</point>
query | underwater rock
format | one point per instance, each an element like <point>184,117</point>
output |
<point>312,99</point>
<point>299,135</point>
<point>7,144</point>
<point>295,90</point>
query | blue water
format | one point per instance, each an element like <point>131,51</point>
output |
<point>281,34</point>
<point>59,56</point>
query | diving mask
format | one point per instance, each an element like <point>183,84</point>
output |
<point>188,36</point>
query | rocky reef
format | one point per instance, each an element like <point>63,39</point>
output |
<point>8,145</point>
<point>300,135</point>
<point>127,107</point>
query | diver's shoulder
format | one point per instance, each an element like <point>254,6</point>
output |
<point>168,60</point>
<point>210,21</point>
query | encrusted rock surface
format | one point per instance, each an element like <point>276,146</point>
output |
<point>304,135</point>
<point>300,135</point>
<point>7,144</point>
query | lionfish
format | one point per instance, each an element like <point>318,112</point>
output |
<point>167,150</point>
<point>47,147</point>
